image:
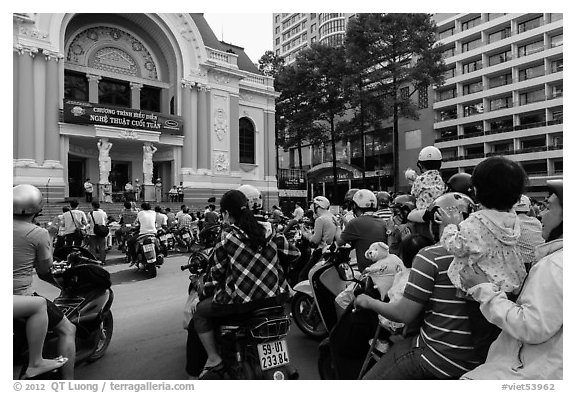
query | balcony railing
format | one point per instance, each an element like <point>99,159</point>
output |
<point>503,153</point>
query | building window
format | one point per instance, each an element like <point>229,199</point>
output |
<point>555,17</point>
<point>473,109</point>
<point>556,40</point>
<point>557,91</point>
<point>277,52</point>
<point>530,24</point>
<point>113,92</point>
<point>472,88</point>
<point>278,41</point>
<point>448,114</point>
<point>404,93</point>
<point>529,49</point>
<point>501,124</point>
<point>423,97</point>
<point>472,66</point>
<point>446,33</point>
<point>313,28</point>
<point>446,94</point>
<point>277,29</point>
<point>557,65</point>
<point>75,86</point>
<point>150,99</point>
<point>499,35</point>
<point>448,53</point>
<point>501,103</point>
<point>500,58</point>
<point>247,141</point>
<point>532,72</point>
<point>312,40</point>
<point>471,23</point>
<point>532,96</point>
<point>493,16</point>
<point>277,18</point>
<point>500,80</point>
<point>312,16</point>
<point>468,46</point>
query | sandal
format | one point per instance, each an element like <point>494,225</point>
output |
<point>209,372</point>
<point>32,373</point>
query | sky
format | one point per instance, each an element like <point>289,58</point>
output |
<point>251,31</point>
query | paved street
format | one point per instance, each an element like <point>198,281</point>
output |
<point>149,341</point>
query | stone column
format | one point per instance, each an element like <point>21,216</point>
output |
<point>52,142</point>
<point>270,147</point>
<point>189,114</point>
<point>203,129</point>
<point>39,113</point>
<point>93,87</point>
<point>135,94</point>
<point>235,133</point>
<point>15,80</point>
<point>26,105</point>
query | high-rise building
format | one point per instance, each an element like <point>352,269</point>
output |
<point>294,32</point>
<point>503,92</point>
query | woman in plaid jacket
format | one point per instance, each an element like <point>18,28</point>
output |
<point>246,272</point>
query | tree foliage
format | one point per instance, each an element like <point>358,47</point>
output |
<point>270,64</point>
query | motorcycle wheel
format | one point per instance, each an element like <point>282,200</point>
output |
<point>151,270</point>
<point>306,315</point>
<point>103,337</point>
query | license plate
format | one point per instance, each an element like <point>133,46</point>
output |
<point>186,236</point>
<point>273,354</point>
<point>148,247</point>
<point>163,238</point>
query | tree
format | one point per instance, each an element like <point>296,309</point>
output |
<point>397,55</point>
<point>270,64</point>
<point>320,71</point>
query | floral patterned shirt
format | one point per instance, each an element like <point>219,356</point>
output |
<point>427,187</point>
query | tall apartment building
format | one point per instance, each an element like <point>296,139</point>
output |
<point>503,92</point>
<point>294,32</point>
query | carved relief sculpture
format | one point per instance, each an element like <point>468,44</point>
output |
<point>220,124</point>
<point>221,162</point>
<point>147,164</point>
<point>104,161</point>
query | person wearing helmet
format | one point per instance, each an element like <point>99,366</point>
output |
<point>254,197</point>
<point>488,238</point>
<point>441,347</point>
<point>384,211</point>
<point>398,227</point>
<point>461,182</point>
<point>32,250</point>
<point>530,345</point>
<point>325,232</point>
<point>365,228</point>
<point>429,185</point>
<point>348,205</point>
<point>530,232</point>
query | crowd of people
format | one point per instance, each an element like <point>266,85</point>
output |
<point>483,298</point>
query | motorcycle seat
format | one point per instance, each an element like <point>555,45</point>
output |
<point>236,320</point>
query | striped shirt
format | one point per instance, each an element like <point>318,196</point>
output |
<point>445,333</point>
<point>384,213</point>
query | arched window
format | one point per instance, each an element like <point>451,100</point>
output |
<point>247,139</point>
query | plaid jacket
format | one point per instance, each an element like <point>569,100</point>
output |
<point>240,275</point>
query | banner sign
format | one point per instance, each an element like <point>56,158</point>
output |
<point>81,112</point>
<point>292,193</point>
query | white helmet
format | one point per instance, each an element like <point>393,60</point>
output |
<point>253,195</point>
<point>27,200</point>
<point>365,199</point>
<point>322,202</point>
<point>430,153</point>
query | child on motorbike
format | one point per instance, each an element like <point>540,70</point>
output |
<point>487,238</point>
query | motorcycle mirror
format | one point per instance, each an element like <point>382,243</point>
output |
<point>345,272</point>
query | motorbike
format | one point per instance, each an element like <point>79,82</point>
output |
<point>148,256</point>
<point>254,345</point>
<point>85,298</point>
<point>296,271</point>
<point>184,239</point>
<point>312,305</point>
<point>162,236</point>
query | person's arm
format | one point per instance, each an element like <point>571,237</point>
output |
<point>404,310</point>
<point>460,238</point>
<point>43,259</point>
<point>217,270</point>
<point>316,237</point>
<point>539,314</point>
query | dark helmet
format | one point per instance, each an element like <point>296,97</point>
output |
<point>405,201</point>
<point>350,194</point>
<point>462,183</point>
<point>383,198</point>
<point>556,187</point>
<point>452,201</point>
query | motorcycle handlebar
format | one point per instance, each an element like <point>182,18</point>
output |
<point>186,267</point>
<point>76,257</point>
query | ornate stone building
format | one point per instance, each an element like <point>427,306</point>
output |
<point>92,90</point>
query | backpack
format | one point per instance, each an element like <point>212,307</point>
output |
<point>99,229</point>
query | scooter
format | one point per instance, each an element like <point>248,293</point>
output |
<point>254,345</point>
<point>148,256</point>
<point>85,298</point>
<point>312,306</point>
<point>162,236</point>
<point>184,239</point>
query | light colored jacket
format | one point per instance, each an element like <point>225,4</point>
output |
<point>530,344</point>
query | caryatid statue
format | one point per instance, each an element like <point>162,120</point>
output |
<point>147,164</point>
<point>104,161</point>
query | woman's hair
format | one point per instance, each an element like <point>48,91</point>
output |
<point>499,183</point>
<point>236,204</point>
<point>411,245</point>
